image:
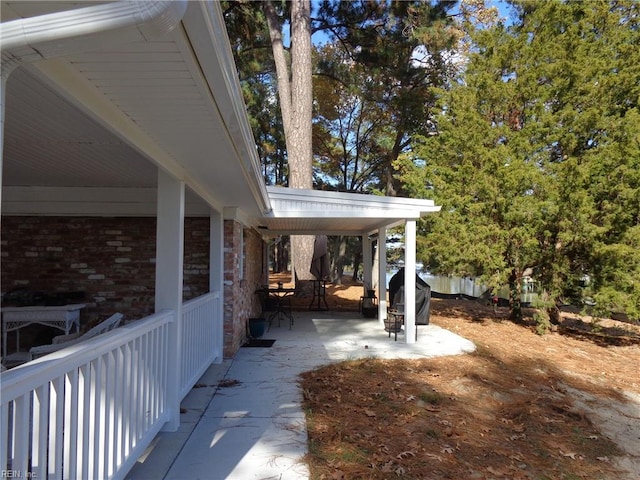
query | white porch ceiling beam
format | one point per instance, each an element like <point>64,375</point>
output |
<point>368,212</point>
<point>266,233</point>
<point>320,198</point>
<point>89,201</point>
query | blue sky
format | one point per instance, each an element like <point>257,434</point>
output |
<point>503,8</point>
<point>320,37</point>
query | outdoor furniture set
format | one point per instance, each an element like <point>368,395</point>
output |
<point>276,303</point>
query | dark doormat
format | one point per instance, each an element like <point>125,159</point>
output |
<point>259,342</point>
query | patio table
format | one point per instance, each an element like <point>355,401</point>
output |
<point>63,317</point>
<point>282,307</point>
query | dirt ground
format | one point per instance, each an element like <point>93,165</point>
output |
<point>565,405</point>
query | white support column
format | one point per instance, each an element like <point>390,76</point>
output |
<point>366,263</point>
<point>216,251</point>
<point>216,270</point>
<point>382,274</point>
<point>169,277</point>
<point>376,262</point>
<point>3,89</point>
<point>410,281</point>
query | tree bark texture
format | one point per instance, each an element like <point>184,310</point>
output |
<point>282,68</point>
<point>300,157</point>
<point>300,154</point>
<point>296,100</point>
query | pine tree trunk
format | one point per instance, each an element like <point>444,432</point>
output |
<point>300,153</point>
<point>554,315</point>
<point>296,101</point>
<point>337,263</point>
<point>515,294</point>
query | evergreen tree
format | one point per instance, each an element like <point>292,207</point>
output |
<point>536,159</point>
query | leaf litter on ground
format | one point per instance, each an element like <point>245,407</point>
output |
<point>509,410</point>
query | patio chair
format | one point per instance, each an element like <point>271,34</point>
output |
<point>64,341</point>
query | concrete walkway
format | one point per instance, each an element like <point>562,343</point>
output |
<point>243,420</point>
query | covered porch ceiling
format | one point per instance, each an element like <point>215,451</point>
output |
<point>91,117</point>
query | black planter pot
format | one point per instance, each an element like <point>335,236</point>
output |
<point>257,327</point>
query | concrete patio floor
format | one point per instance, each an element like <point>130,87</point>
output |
<point>244,420</point>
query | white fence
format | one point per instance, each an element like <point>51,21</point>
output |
<point>89,411</point>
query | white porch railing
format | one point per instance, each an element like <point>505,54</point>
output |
<point>90,410</point>
<point>201,339</point>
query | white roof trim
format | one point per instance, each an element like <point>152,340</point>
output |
<point>290,202</point>
<point>310,212</point>
<point>202,38</point>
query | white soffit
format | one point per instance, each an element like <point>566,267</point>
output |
<point>300,211</point>
<point>172,102</point>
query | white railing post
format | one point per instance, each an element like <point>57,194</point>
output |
<point>169,275</point>
<point>201,332</point>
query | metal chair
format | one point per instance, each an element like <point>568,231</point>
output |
<point>268,305</point>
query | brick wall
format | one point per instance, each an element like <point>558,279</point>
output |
<point>112,260</point>
<point>244,273</point>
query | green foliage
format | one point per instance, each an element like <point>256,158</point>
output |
<point>350,128</point>
<point>533,151</point>
<point>431,397</point>
<point>536,158</point>
<point>386,85</point>
<point>250,43</point>
<point>544,304</point>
